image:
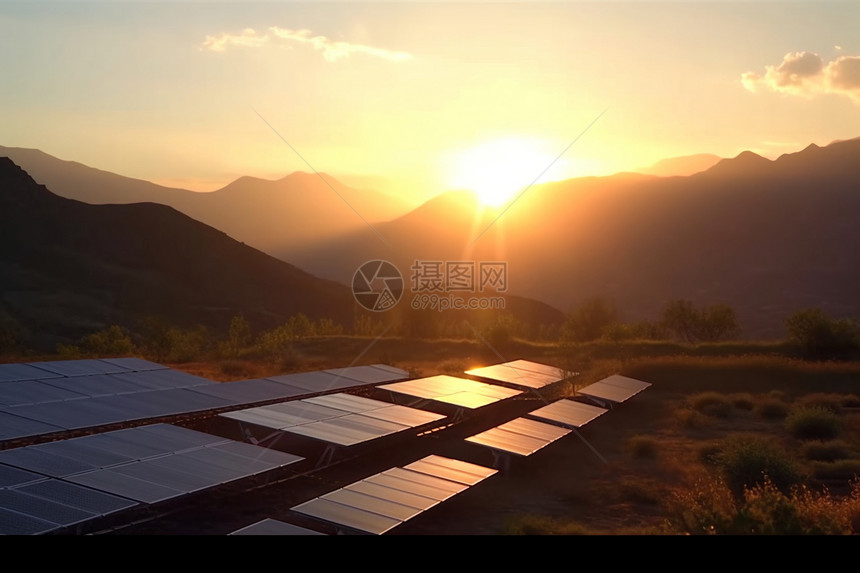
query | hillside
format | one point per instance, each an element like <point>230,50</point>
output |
<point>68,267</point>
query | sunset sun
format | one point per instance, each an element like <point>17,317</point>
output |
<point>498,170</point>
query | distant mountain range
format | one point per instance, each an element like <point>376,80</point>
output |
<point>299,208</point>
<point>68,268</point>
<point>767,237</point>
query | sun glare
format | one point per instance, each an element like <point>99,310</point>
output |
<point>496,171</point>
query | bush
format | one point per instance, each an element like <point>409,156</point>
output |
<point>822,337</point>
<point>850,401</point>
<point>826,451</point>
<point>712,404</point>
<point>764,509</point>
<point>772,409</point>
<point>743,401</point>
<point>813,423</point>
<point>709,454</point>
<point>643,446</point>
<point>832,402</point>
<point>747,461</point>
<point>847,470</point>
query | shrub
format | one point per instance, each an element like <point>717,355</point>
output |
<point>772,409</point>
<point>832,402</point>
<point>747,461</point>
<point>712,404</point>
<point>822,337</point>
<point>813,423</point>
<point>837,470</point>
<point>743,401</point>
<point>826,451</point>
<point>643,446</point>
<point>850,401</point>
<point>709,454</point>
<point>709,508</point>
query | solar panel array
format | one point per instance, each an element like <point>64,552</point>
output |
<point>459,392</point>
<point>41,398</point>
<point>57,485</point>
<point>383,501</point>
<point>339,419</point>
<point>521,373</point>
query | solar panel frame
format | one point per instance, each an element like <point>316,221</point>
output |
<point>17,372</point>
<point>84,367</point>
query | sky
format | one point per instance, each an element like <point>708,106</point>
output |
<point>422,97</point>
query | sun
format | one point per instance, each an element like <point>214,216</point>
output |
<point>498,170</point>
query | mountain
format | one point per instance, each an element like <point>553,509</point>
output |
<point>767,237</point>
<point>68,267</point>
<point>297,209</point>
<point>682,166</point>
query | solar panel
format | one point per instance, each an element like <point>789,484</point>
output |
<point>270,526</point>
<point>135,364</point>
<point>451,469</point>
<point>44,509</point>
<point>530,366</point>
<point>14,426</point>
<point>418,483</point>
<point>80,367</point>
<point>381,506</point>
<point>411,417</point>
<point>366,374</point>
<point>452,390</point>
<point>624,382</point>
<point>12,476</point>
<point>164,379</point>
<point>568,413</point>
<point>249,391</point>
<point>34,392</point>
<point>97,385</point>
<point>608,392</point>
<point>15,523</point>
<point>381,502</point>
<point>124,485</point>
<point>521,436</point>
<point>347,402</point>
<point>514,376</point>
<point>34,460</point>
<point>78,449</point>
<point>19,372</point>
<point>348,516</point>
<point>87,499</point>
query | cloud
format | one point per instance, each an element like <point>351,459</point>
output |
<point>247,38</point>
<point>806,74</point>
<point>332,50</point>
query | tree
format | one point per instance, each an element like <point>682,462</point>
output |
<point>682,318</point>
<point>240,334</point>
<point>822,337</point>
<point>588,320</point>
<point>710,324</point>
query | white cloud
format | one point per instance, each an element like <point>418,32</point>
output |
<point>332,50</point>
<point>247,38</point>
<point>806,74</point>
